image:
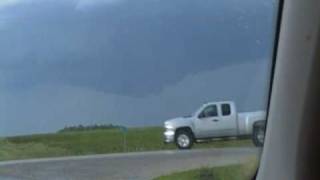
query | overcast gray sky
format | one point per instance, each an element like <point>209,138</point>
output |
<point>129,62</point>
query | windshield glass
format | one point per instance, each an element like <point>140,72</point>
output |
<point>87,87</point>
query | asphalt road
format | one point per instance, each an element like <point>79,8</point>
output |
<point>132,166</point>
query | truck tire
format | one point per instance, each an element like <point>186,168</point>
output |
<point>258,135</point>
<point>184,139</point>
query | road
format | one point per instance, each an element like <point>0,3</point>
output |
<point>133,166</point>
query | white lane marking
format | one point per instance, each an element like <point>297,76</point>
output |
<point>119,155</point>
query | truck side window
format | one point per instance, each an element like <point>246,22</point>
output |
<point>226,110</point>
<point>209,111</point>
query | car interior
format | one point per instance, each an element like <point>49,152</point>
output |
<point>291,149</point>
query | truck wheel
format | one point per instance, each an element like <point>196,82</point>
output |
<point>184,139</point>
<point>258,136</point>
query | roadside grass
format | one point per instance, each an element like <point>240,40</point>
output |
<point>94,142</point>
<point>234,172</point>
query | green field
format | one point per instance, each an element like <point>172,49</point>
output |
<point>93,142</point>
<point>234,172</point>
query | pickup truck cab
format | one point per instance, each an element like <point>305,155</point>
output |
<point>212,120</point>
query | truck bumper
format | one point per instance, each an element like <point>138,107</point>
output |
<point>168,136</point>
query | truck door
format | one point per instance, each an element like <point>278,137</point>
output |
<point>216,120</point>
<point>228,120</point>
<point>207,122</point>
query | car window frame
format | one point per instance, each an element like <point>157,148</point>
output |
<point>229,112</point>
<point>201,115</point>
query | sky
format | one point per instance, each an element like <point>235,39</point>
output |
<point>129,62</point>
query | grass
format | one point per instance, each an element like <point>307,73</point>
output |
<point>93,142</point>
<point>233,172</point>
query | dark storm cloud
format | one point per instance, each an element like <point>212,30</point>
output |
<point>132,48</point>
<point>129,62</point>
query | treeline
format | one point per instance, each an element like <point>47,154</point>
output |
<point>88,127</point>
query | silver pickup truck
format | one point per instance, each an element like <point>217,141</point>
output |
<point>214,120</point>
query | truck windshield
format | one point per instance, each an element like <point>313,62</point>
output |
<point>97,89</point>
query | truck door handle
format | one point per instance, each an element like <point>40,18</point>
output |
<point>215,120</point>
